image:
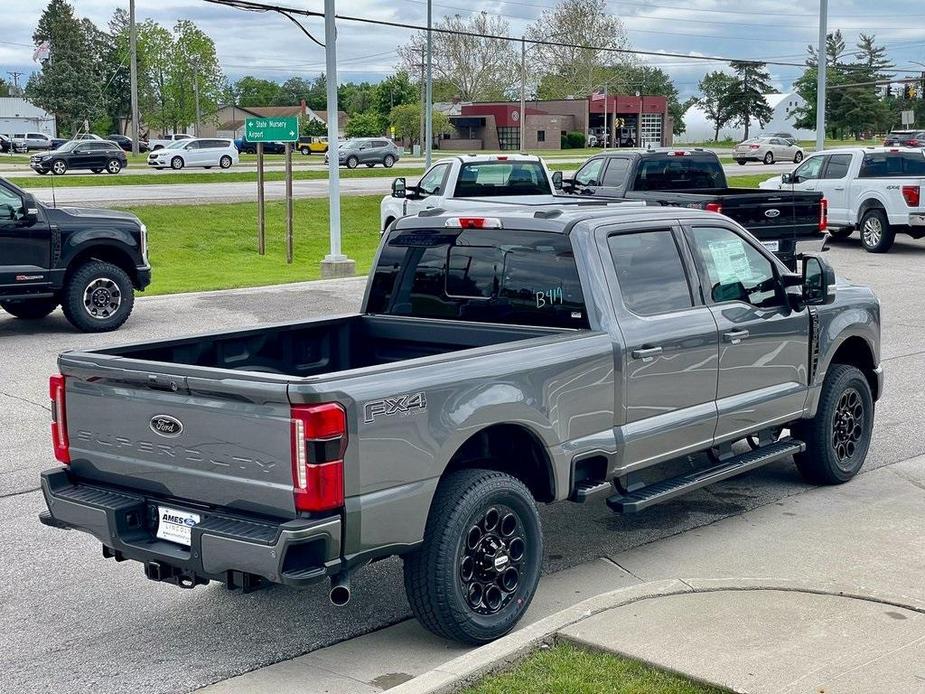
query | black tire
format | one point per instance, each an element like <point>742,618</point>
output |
<point>877,235</point>
<point>838,437</point>
<point>225,162</point>
<point>113,166</point>
<point>740,162</point>
<point>176,163</point>
<point>98,297</point>
<point>434,573</point>
<point>41,172</point>
<point>207,167</point>
<point>352,162</point>
<point>389,161</point>
<point>798,157</point>
<point>841,233</point>
<point>305,151</point>
<point>370,164</point>
<point>59,167</point>
<point>29,309</point>
<point>769,158</point>
<point>96,171</point>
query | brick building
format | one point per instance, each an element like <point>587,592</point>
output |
<point>496,125</point>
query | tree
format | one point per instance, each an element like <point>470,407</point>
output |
<point>406,119</point>
<point>395,90</point>
<point>365,124</point>
<point>4,87</point>
<point>70,79</point>
<point>656,82</point>
<point>714,90</point>
<point>194,69</point>
<point>745,95</point>
<point>475,67</point>
<point>566,71</point>
<point>293,90</point>
<point>253,91</point>
<point>154,102</point>
<point>356,97</point>
<point>313,128</point>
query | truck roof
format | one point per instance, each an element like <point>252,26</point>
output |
<point>871,150</point>
<point>479,158</point>
<point>556,217</point>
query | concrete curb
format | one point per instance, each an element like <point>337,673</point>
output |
<point>263,288</point>
<point>476,664</point>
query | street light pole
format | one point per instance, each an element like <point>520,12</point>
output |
<point>523,93</point>
<point>133,73</point>
<point>820,79</point>
<point>428,94</point>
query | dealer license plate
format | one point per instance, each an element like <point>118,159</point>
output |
<point>772,246</point>
<point>174,525</point>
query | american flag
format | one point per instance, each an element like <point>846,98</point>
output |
<point>41,52</point>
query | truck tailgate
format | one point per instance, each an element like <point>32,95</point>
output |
<point>213,441</point>
<point>786,216</point>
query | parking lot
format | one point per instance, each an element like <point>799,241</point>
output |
<point>75,621</point>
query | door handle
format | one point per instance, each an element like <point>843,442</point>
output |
<point>735,336</point>
<point>646,353</point>
<point>839,187</point>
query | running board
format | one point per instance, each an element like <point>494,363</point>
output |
<point>643,498</point>
<point>588,488</point>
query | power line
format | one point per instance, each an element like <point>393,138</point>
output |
<point>258,7</point>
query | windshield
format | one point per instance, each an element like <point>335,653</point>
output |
<point>499,178</point>
<point>349,144</point>
<point>68,146</point>
<point>679,173</point>
<point>177,144</point>
<point>503,276</point>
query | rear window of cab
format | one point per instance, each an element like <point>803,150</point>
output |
<point>887,164</point>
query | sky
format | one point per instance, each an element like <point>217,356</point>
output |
<point>269,46</point>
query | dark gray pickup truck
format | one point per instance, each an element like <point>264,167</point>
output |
<point>498,362</point>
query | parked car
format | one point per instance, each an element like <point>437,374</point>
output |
<point>245,147</point>
<point>905,138</point>
<point>166,141</point>
<point>198,151</point>
<point>88,261</point>
<point>767,150</point>
<point>877,190</point>
<point>56,142</point>
<point>367,150</point>
<point>87,136</point>
<point>498,361</point>
<point>125,142</point>
<point>93,155</point>
<point>695,178</point>
<point>471,182</point>
<point>6,144</point>
<point>313,145</point>
<point>28,142</point>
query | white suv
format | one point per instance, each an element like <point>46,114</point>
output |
<point>197,151</point>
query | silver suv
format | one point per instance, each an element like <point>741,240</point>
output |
<point>367,150</point>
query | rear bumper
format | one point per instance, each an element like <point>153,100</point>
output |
<point>917,220</point>
<point>224,547</point>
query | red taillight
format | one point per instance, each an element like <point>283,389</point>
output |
<point>754,146</point>
<point>912,195</point>
<point>58,418</point>
<point>913,143</point>
<point>319,439</point>
<point>823,214</point>
<point>713,207</point>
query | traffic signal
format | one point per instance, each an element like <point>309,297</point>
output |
<point>913,91</point>
<point>906,92</point>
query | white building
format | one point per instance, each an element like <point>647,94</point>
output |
<point>699,128</point>
<point>19,116</point>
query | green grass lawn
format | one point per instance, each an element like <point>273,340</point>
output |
<point>749,180</point>
<point>215,246</point>
<point>207,177</point>
<point>567,669</point>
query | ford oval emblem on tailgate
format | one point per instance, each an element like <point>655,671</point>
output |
<point>165,425</point>
<point>772,213</point>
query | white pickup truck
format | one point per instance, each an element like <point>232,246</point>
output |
<point>877,190</point>
<point>458,183</point>
<point>166,141</point>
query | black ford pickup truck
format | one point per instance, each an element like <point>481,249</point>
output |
<point>695,178</point>
<point>87,260</point>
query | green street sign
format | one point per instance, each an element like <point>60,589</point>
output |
<point>272,129</point>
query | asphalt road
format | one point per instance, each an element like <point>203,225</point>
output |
<point>74,622</point>
<point>202,193</point>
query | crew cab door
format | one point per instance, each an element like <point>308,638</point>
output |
<point>833,184</point>
<point>668,345</point>
<point>429,189</point>
<point>24,245</point>
<point>806,176</point>
<point>763,342</point>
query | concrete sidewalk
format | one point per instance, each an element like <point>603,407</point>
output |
<point>822,591</point>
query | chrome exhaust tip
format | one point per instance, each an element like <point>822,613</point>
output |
<point>340,589</point>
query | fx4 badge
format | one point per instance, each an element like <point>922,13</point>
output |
<point>400,404</point>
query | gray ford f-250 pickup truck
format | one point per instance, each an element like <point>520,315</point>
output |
<point>498,361</point>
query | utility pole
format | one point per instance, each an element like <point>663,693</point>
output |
<point>133,72</point>
<point>429,96</point>
<point>335,263</point>
<point>820,79</point>
<point>196,94</point>
<point>523,93</point>
<point>15,76</point>
<point>606,129</point>
<point>423,96</point>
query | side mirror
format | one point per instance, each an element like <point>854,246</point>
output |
<point>30,209</point>
<point>557,180</point>
<point>818,281</point>
<point>568,185</point>
<point>399,188</point>
<point>787,178</point>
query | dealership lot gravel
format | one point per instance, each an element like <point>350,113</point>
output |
<point>72,621</point>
